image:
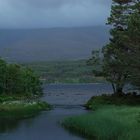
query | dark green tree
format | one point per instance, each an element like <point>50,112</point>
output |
<point>115,53</point>
<point>18,80</point>
<point>31,83</point>
<point>3,68</point>
<point>13,79</point>
<point>131,39</point>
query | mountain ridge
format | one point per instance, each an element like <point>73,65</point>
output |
<point>25,45</point>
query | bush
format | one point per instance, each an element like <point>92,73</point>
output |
<point>99,101</point>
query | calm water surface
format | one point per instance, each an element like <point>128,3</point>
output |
<point>67,100</point>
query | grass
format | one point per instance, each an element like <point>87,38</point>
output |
<point>20,106</point>
<point>4,98</point>
<point>20,109</point>
<point>107,123</point>
<point>18,97</point>
<point>111,118</point>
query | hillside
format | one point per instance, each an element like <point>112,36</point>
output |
<point>26,45</point>
<point>65,71</point>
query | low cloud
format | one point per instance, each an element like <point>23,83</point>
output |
<point>53,13</point>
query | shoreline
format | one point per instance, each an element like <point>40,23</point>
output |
<point>21,109</point>
<point>109,118</point>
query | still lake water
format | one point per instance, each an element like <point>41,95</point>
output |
<point>67,100</point>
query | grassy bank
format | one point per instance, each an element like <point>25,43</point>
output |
<point>113,118</point>
<point>108,123</point>
<point>21,109</point>
<point>22,97</point>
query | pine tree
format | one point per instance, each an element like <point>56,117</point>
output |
<point>115,52</point>
<point>132,40</point>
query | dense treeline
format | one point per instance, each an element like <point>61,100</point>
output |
<point>121,56</point>
<point>18,80</point>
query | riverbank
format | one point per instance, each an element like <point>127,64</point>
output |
<point>11,108</point>
<point>116,118</point>
<point>46,125</point>
<point>15,97</point>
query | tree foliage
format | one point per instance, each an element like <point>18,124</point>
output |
<point>121,56</point>
<point>115,52</point>
<point>132,39</point>
<point>15,79</point>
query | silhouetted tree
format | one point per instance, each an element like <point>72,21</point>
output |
<point>115,53</point>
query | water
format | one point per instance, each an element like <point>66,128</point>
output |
<point>46,126</point>
<point>73,94</point>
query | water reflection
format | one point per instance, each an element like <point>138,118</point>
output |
<point>10,125</point>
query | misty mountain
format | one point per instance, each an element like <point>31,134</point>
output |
<point>25,45</point>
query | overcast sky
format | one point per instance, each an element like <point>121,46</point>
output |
<point>53,13</point>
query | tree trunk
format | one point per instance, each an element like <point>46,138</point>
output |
<point>119,90</point>
<point>113,86</point>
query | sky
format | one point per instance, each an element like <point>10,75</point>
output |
<point>53,13</point>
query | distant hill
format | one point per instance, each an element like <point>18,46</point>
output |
<point>25,45</point>
<point>65,71</point>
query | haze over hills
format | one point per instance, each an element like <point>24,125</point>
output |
<point>26,45</point>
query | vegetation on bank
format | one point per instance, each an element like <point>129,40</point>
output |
<point>20,87</point>
<point>100,101</point>
<point>65,71</point>
<point>19,107</point>
<point>107,123</point>
<point>111,118</point>
<point>18,97</point>
<point>13,110</point>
